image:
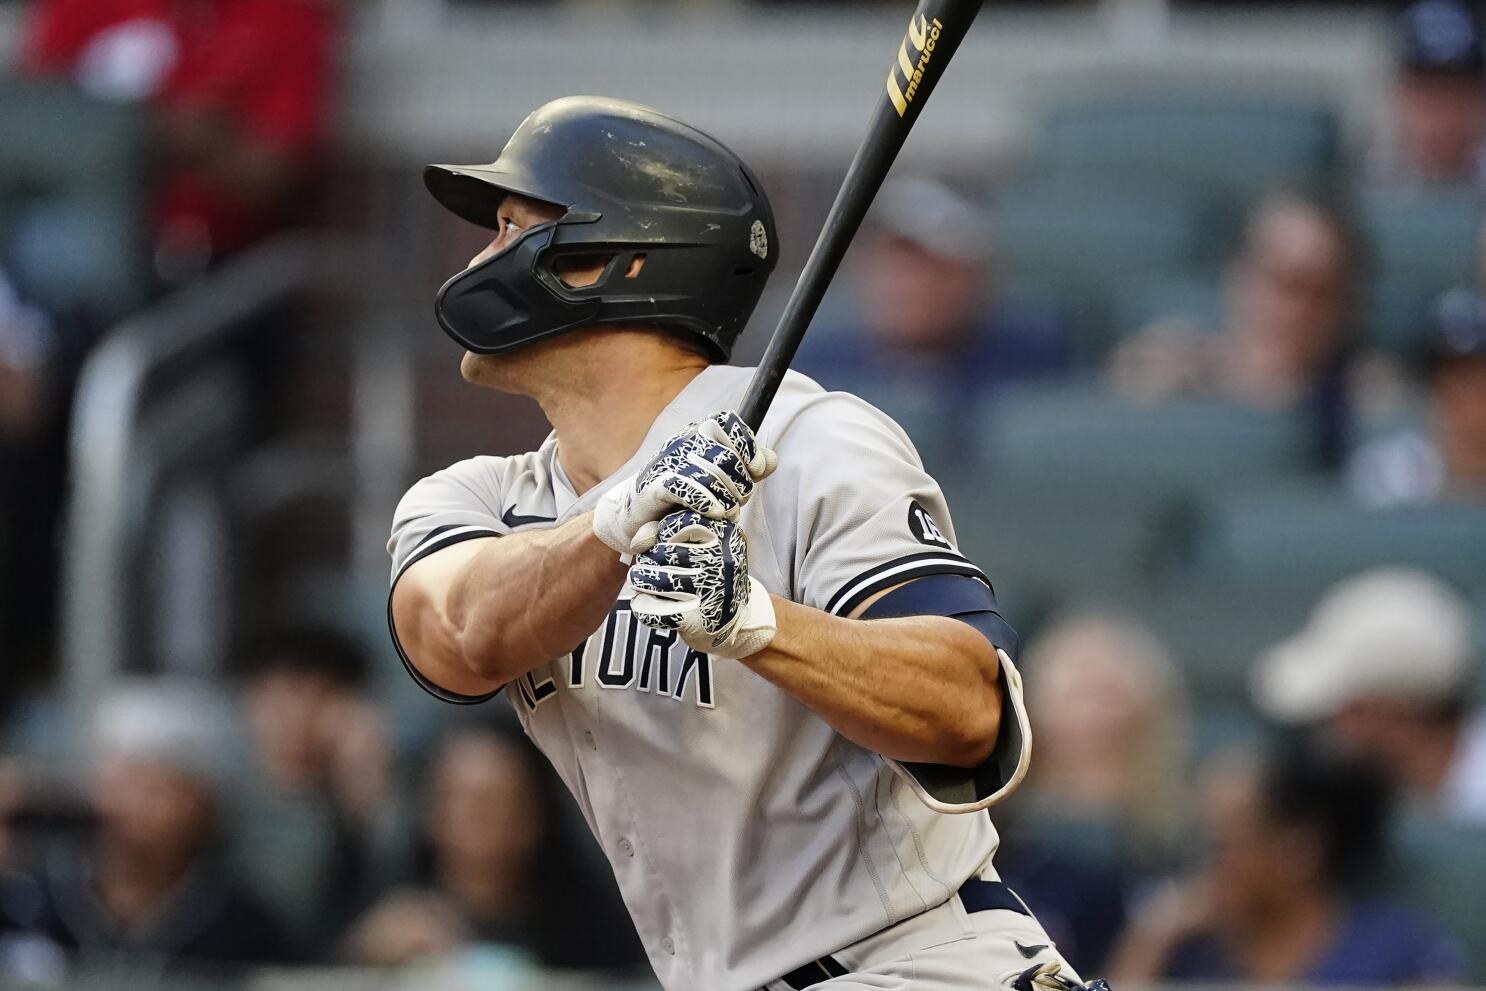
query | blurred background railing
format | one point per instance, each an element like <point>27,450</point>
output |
<point>1182,301</point>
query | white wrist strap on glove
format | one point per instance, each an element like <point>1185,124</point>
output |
<point>613,522</point>
<point>752,630</point>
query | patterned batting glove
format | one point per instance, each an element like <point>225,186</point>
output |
<point>709,468</point>
<point>695,580</point>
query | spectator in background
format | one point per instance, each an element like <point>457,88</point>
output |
<point>319,825</point>
<point>1112,730</point>
<point>1385,666</point>
<point>1446,460</point>
<point>1286,340</point>
<point>1281,894</point>
<point>499,869</point>
<point>152,891</point>
<point>240,91</point>
<point>929,321</point>
<point>1440,100</point>
<point>1102,808</point>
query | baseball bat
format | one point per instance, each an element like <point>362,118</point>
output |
<point>934,32</point>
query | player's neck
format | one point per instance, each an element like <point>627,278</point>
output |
<point>602,412</point>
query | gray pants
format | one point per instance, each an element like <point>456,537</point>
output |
<point>945,949</point>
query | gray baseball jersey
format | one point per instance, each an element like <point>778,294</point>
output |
<point>748,837</point>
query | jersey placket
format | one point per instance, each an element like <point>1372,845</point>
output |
<point>622,833</point>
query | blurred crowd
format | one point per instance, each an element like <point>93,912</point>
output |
<point>1317,817</point>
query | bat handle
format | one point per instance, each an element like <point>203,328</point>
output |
<point>765,383</point>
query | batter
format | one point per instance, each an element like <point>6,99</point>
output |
<point>781,696</point>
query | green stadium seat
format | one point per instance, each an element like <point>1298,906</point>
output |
<point>1081,242</point>
<point>1306,539</point>
<point>1242,143</point>
<point>1080,436</point>
<point>1197,302</point>
<point>1082,491</point>
<point>1215,628</point>
<point>83,166</point>
<point>1421,242</point>
<point>1102,228</point>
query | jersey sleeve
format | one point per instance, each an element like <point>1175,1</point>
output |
<point>867,518</point>
<point>460,503</point>
<point>865,515</point>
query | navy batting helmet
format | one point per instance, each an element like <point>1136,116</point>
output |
<point>633,182</point>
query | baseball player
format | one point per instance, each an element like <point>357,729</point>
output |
<point>766,696</point>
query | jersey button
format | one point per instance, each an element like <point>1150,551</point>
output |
<point>627,847</point>
<point>668,945</point>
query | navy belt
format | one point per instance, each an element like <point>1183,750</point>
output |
<point>976,895</point>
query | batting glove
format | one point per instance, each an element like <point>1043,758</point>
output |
<point>709,468</point>
<point>695,580</point>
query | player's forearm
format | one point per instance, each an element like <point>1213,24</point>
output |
<point>530,598</point>
<point>919,688</point>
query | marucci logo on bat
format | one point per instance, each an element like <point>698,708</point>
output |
<point>923,35</point>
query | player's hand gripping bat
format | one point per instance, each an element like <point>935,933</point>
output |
<point>935,31</point>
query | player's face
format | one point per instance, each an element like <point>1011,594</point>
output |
<point>1293,289</point>
<point>150,810</point>
<point>516,215</point>
<point>1442,119</point>
<point>897,275</point>
<point>485,815</point>
<point>285,714</point>
<point>1252,858</point>
<point>1460,408</point>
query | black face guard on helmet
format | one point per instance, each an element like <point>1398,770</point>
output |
<point>636,185</point>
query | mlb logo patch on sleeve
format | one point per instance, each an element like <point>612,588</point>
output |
<point>923,527</point>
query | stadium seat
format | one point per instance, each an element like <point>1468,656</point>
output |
<point>74,176</point>
<point>1081,242</point>
<point>1082,490</point>
<point>1420,242</point>
<point>1244,143</point>
<point>1305,539</point>
<point>1193,301</point>
<point>1215,627</point>
<point>1117,225</point>
<point>1079,435</point>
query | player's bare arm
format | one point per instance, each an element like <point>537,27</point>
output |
<point>464,615</point>
<point>913,688</point>
<point>475,615</point>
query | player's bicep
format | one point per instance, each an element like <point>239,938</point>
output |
<point>422,631</point>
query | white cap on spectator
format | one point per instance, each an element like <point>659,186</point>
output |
<point>933,216</point>
<point>1391,632</point>
<point>176,722</point>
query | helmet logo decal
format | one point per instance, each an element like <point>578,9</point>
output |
<point>758,239</point>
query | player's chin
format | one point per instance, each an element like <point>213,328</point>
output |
<point>481,369</point>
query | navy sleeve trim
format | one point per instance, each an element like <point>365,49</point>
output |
<point>969,600</point>
<point>903,569</point>
<point>441,537</point>
<point>445,536</point>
